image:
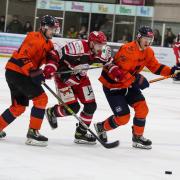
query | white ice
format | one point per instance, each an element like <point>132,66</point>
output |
<point>64,160</point>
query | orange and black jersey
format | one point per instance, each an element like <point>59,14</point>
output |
<point>31,54</point>
<point>131,60</point>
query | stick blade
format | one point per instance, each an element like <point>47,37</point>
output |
<point>111,144</point>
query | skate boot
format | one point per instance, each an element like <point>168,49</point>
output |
<point>176,80</point>
<point>2,134</point>
<point>82,136</point>
<point>141,142</point>
<point>52,119</point>
<point>100,132</point>
<point>34,138</point>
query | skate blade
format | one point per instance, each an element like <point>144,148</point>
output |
<point>33,142</point>
<point>81,141</point>
<point>140,146</point>
<point>176,82</point>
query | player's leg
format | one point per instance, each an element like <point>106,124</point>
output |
<point>121,116</point>
<point>137,101</point>
<point>85,94</point>
<point>67,95</point>
<point>19,102</point>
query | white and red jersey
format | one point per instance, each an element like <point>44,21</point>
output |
<point>71,55</point>
<point>176,49</point>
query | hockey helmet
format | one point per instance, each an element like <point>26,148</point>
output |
<point>145,31</point>
<point>97,36</point>
<point>49,21</point>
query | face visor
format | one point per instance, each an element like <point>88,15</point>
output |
<point>149,40</point>
<point>53,29</point>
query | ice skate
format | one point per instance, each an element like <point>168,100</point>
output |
<point>100,132</point>
<point>34,138</point>
<point>141,142</point>
<point>83,137</point>
<point>52,119</point>
<point>2,134</point>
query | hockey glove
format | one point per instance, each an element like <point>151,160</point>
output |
<point>176,70</point>
<point>115,72</point>
<point>81,69</point>
<point>49,71</point>
<point>37,76</point>
<point>140,82</point>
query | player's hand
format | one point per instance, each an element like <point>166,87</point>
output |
<point>49,71</point>
<point>140,82</point>
<point>176,70</point>
<point>116,73</point>
<point>37,76</point>
<point>81,69</point>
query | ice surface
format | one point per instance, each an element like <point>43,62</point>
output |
<point>64,160</point>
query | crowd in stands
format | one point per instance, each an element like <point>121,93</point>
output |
<point>15,26</point>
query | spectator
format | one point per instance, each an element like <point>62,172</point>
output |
<point>107,29</point>
<point>2,23</point>
<point>157,38</point>
<point>82,34</point>
<point>27,27</point>
<point>15,26</point>
<point>169,38</point>
<point>72,33</point>
<point>126,37</point>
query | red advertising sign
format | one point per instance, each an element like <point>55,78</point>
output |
<point>133,2</point>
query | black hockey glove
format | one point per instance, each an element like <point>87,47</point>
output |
<point>176,70</point>
<point>37,76</point>
<point>140,82</point>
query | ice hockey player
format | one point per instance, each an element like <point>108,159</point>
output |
<point>122,85</point>
<point>176,49</point>
<point>77,86</point>
<point>24,77</point>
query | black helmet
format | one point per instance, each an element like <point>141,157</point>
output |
<point>48,20</point>
<point>145,31</point>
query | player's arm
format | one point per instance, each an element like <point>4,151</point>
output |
<point>176,50</point>
<point>157,68</point>
<point>53,58</point>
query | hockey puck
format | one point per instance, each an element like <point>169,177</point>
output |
<point>168,172</point>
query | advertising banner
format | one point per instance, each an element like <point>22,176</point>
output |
<point>145,11</point>
<point>125,10</point>
<point>133,2</point>
<point>50,4</point>
<point>10,42</point>
<point>103,8</point>
<point>78,6</point>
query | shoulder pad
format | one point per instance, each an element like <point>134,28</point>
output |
<point>58,48</point>
<point>75,48</point>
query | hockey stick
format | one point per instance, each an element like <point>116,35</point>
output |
<point>78,70</point>
<point>106,145</point>
<point>162,78</point>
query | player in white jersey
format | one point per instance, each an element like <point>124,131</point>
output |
<point>76,86</point>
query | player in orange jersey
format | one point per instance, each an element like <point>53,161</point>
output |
<point>24,77</point>
<point>122,85</point>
